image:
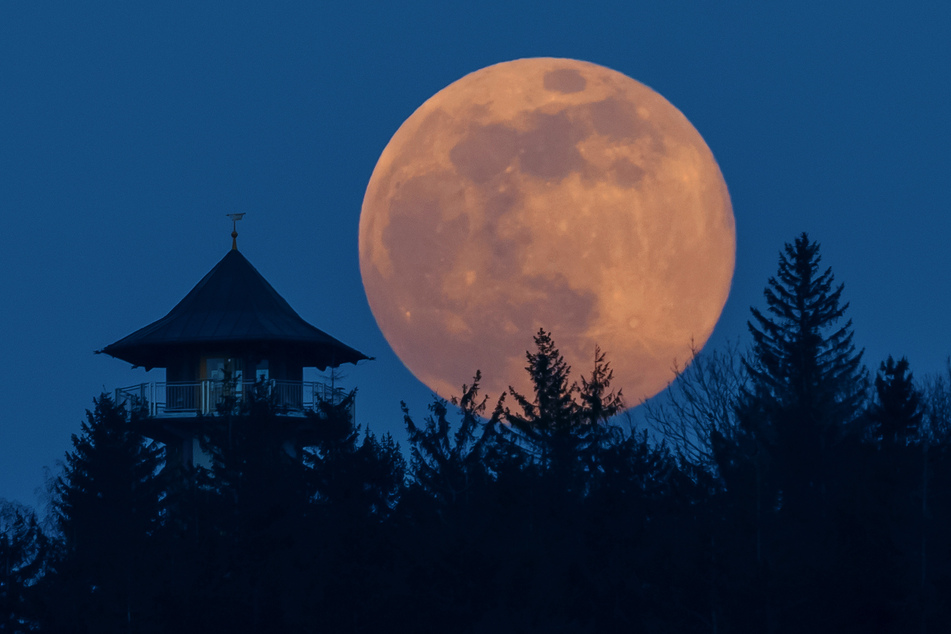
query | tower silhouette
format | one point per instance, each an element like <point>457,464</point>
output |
<point>230,334</point>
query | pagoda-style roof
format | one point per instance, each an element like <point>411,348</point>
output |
<point>235,307</point>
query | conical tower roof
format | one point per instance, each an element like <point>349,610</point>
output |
<point>232,306</point>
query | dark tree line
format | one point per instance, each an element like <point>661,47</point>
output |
<point>784,490</point>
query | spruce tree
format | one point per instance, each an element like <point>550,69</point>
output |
<point>451,466</point>
<point>797,445</point>
<point>355,480</point>
<point>107,507</point>
<point>23,556</point>
<point>259,500</point>
<point>803,360</point>
<point>562,427</point>
<point>807,384</point>
<point>356,477</point>
<point>897,414</point>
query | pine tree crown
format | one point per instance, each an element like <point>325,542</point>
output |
<point>801,357</point>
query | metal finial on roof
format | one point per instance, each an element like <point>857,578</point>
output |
<point>234,231</point>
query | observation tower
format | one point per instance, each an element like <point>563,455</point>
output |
<point>230,333</point>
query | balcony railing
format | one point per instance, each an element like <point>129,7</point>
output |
<point>170,400</point>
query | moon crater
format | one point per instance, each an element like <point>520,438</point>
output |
<point>546,193</point>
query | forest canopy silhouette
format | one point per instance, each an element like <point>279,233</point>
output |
<point>778,488</point>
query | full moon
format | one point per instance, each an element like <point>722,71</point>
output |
<point>546,193</point>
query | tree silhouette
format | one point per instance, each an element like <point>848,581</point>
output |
<point>807,382</point>
<point>801,360</point>
<point>794,468</point>
<point>107,508</point>
<point>897,415</point>
<point>561,427</point>
<point>23,555</point>
<point>701,403</point>
<point>360,478</point>
<point>933,576</point>
<point>449,514</point>
<point>447,466</point>
<point>773,499</point>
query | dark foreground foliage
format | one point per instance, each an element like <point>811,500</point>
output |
<point>791,494</point>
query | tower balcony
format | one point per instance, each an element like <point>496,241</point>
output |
<point>184,400</point>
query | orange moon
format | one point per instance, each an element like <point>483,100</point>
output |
<point>546,193</point>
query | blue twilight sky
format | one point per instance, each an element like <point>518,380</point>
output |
<point>128,130</point>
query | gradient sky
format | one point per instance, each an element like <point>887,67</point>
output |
<point>129,130</point>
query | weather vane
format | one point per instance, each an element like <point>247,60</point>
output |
<point>234,229</point>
